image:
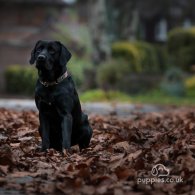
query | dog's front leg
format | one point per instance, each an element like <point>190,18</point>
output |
<point>44,129</point>
<point>66,131</point>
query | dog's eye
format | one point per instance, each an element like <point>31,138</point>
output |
<point>38,50</point>
<point>51,50</point>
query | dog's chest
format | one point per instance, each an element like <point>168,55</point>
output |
<point>44,95</point>
<point>60,97</point>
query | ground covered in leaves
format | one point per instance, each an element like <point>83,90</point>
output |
<point>121,156</point>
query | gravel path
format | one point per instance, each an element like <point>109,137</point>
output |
<point>119,109</point>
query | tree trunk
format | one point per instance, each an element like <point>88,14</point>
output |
<point>97,24</point>
<point>134,25</point>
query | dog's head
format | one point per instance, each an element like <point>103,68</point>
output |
<point>50,56</point>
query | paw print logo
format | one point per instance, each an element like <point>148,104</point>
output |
<point>160,170</point>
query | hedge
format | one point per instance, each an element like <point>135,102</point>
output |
<point>115,74</point>
<point>129,52</point>
<point>20,80</point>
<point>181,46</point>
<point>134,67</point>
<point>77,67</point>
<point>141,56</point>
<point>111,74</point>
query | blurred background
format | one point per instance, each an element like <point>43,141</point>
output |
<point>138,51</point>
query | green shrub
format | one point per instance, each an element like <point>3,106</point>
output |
<point>142,56</point>
<point>115,74</point>
<point>180,37</point>
<point>181,46</point>
<point>133,68</point>
<point>20,80</point>
<point>163,58</point>
<point>129,52</point>
<point>190,83</point>
<point>77,69</point>
<point>149,58</point>
<point>111,74</point>
<point>190,86</point>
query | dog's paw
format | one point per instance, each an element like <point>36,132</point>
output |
<point>66,152</point>
<point>85,139</point>
<point>44,150</point>
<point>75,149</point>
<point>38,148</point>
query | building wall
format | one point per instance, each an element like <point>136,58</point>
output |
<point>21,25</point>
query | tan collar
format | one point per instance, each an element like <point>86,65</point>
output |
<point>59,80</point>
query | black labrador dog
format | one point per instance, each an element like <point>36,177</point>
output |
<point>62,122</point>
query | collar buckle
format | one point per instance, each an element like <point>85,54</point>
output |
<point>45,84</point>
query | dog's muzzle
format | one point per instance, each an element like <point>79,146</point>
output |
<point>41,58</point>
<point>43,62</point>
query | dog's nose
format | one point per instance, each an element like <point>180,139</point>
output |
<point>41,58</point>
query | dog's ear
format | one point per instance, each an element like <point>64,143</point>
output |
<point>65,55</point>
<point>32,59</point>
